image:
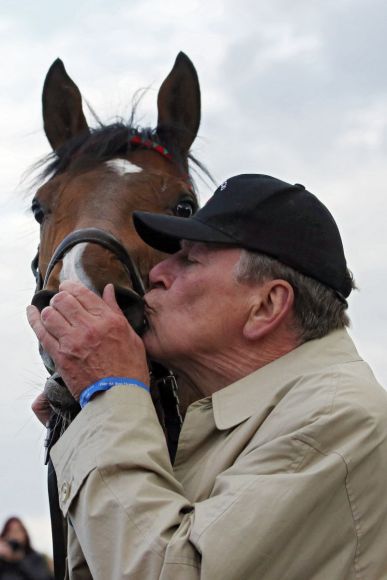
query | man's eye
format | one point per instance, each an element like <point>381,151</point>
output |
<point>187,259</point>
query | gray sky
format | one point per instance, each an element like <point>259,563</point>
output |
<point>295,89</point>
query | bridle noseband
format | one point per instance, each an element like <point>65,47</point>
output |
<point>134,314</point>
<point>94,236</point>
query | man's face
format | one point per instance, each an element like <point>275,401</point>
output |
<point>195,305</point>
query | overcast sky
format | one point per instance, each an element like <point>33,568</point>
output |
<point>291,88</point>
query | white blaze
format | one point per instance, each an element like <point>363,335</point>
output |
<point>72,266</point>
<point>123,166</point>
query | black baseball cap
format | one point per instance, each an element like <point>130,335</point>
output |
<point>265,215</point>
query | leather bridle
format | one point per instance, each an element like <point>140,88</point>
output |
<point>102,238</point>
<point>105,239</point>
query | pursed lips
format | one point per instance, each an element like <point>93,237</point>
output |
<point>149,310</point>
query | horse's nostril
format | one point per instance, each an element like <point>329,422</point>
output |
<point>132,306</point>
<point>42,298</point>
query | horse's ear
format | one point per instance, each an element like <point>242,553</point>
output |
<point>62,106</point>
<point>178,105</point>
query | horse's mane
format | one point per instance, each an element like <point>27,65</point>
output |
<point>106,142</point>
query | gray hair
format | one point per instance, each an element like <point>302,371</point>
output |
<point>317,309</point>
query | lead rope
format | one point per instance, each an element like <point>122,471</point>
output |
<point>171,419</point>
<point>53,432</point>
<point>58,522</point>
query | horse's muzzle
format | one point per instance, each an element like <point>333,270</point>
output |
<point>131,304</point>
<point>130,301</point>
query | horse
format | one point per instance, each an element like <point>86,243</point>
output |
<point>95,179</point>
<point>92,182</point>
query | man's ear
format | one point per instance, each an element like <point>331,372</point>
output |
<point>271,305</point>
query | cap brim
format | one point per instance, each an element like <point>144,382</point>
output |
<point>164,232</point>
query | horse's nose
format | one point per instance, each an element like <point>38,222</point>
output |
<point>132,306</point>
<point>42,298</point>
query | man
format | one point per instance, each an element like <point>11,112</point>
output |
<point>281,469</point>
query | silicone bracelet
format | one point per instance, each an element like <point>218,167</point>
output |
<point>106,384</point>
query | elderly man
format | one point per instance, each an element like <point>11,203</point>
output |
<point>281,468</point>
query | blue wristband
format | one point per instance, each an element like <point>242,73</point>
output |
<point>106,384</point>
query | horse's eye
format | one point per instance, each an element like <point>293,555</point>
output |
<point>37,210</point>
<point>185,209</point>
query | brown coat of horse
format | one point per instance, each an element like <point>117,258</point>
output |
<point>97,177</point>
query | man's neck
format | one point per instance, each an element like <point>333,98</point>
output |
<point>209,372</point>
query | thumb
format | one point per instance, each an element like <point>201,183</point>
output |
<point>109,297</point>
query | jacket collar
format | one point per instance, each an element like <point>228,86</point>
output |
<point>261,391</point>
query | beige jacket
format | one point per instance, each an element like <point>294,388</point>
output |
<point>280,476</point>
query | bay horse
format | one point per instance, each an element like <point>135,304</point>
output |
<point>94,180</point>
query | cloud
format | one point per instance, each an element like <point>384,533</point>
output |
<point>296,90</point>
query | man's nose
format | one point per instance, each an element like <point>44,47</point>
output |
<point>161,275</point>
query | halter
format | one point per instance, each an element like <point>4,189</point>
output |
<point>134,313</point>
<point>104,239</point>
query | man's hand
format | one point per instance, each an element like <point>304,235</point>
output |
<point>88,337</point>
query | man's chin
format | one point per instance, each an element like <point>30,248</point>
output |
<point>153,350</point>
<point>148,339</point>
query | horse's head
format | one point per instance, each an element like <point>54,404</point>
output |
<point>97,177</point>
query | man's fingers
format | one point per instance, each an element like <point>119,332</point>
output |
<point>88,299</point>
<point>70,308</point>
<point>54,322</point>
<point>109,297</point>
<point>49,343</point>
<point>33,315</point>
<point>92,303</point>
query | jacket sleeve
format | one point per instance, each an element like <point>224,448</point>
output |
<point>132,520</point>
